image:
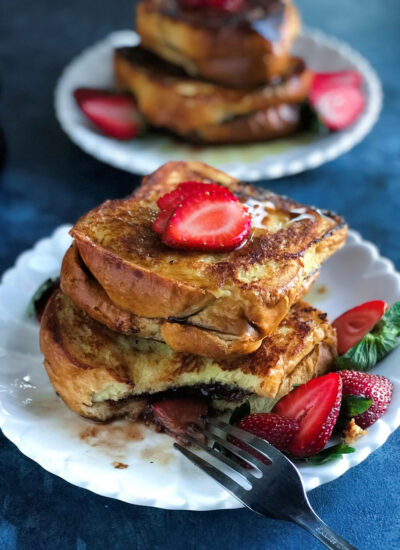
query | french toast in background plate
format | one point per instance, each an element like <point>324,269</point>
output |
<point>209,304</point>
<point>243,45</point>
<point>101,374</point>
<point>204,111</point>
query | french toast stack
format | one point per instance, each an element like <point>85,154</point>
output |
<point>137,322</point>
<point>216,71</point>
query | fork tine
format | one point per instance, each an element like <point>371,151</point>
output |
<point>251,440</point>
<point>227,483</point>
<point>241,453</point>
<point>245,474</point>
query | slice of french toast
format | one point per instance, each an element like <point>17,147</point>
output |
<point>101,374</point>
<point>192,108</point>
<point>82,288</point>
<point>214,304</point>
<point>246,48</point>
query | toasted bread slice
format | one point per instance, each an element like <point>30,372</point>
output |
<point>189,107</point>
<point>101,374</point>
<point>243,294</point>
<point>82,288</point>
<point>276,122</point>
<point>248,48</point>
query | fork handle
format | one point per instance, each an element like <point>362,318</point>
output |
<point>314,525</point>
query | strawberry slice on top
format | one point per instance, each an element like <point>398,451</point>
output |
<point>354,324</point>
<point>315,406</point>
<point>208,220</point>
<point>171,200</point>
<point>116,115</point>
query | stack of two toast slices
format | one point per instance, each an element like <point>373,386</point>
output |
<point>137,322</point>
<point>216,76</point>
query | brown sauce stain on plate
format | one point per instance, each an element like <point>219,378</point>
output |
<point>112,436</point>
<point>159,454</point>
<point>120,465</point>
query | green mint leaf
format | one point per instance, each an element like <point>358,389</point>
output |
<point>363,356</point>
<point>240,412</point>
<point>374,346</point>
<point>40,295</point>
<point>393,316</point>
<point>329,454</point>
<point>352,405</point>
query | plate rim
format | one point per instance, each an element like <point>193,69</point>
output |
<point>90,141</point>
<point>347,462</point>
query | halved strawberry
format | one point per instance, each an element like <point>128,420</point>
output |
<point>355,323</point>
<point>275,429</point>
<point>178,415</point>
<point>315,405</point>
<point>338,107</point>
<point>171,200</point>
<point>208,220</point>
<point>375,386</point>
<point>116,115</point>
<point>327,81</point>
<point>160,224</point>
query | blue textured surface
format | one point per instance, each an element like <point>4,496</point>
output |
<point>47,181</point>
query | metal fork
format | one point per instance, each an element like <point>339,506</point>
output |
<point>272,490</point>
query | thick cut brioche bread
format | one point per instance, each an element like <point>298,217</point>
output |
<point>82,288</point>
<point>243,294</point>
<point>187,106</point>
<point>100,373</point>
<point>243,49</point>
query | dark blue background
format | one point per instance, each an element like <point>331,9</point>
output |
<point>47,181</point>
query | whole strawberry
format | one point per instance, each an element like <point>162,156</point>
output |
<point>375,386</point>
<point>275,429</point>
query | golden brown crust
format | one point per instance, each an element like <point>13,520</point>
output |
<point>88,364</point>
<point>186,106</point>
<point>196,336</point>
<point>276,122</point>
<point>252,286</point>
<point>229,55</point>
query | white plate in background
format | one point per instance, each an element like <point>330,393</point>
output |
<point>93,68</point>
<point>34,418</point>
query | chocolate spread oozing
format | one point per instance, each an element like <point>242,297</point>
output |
<point>207,391</point>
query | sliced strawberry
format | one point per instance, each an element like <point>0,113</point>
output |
<point>171,200</point>
<point>208,220</point>
<point>160,224</point>
<point>354,324</point>
<point>116,115</point>
<point>374,386</point>
<point>315,405</point>
<point>275,429</point>
<point>326,81</point>
<point>178,415</point>
<point>338,107</point>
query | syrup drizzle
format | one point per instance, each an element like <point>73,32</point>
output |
<point>259,211</point>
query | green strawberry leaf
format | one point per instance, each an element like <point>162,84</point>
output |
<point>352,405</point>
<point>329,454</point>
<point>378,343</point>
<point>240,412</point>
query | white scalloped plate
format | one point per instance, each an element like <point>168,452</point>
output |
<point>93,68</point>
<point>44,429</point>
